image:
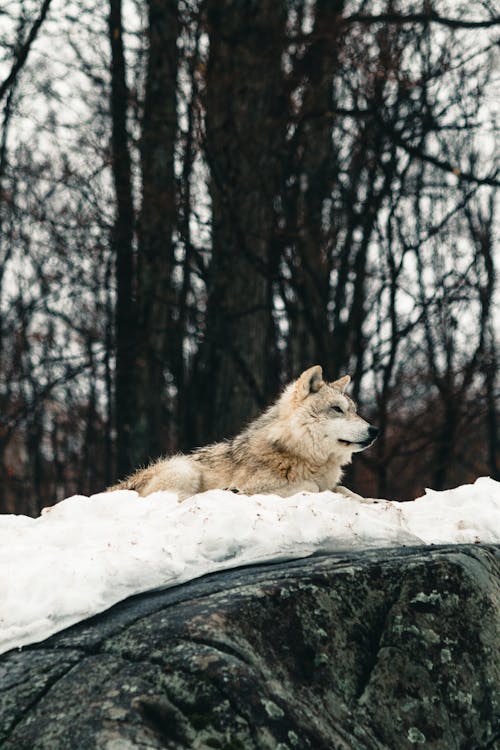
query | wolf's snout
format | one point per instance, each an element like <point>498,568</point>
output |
<point>370,439</point>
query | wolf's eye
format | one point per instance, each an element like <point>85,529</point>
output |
<point>338,409</point>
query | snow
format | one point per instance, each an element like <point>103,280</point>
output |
<point>84,554</point>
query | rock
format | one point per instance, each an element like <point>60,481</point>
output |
<point>386,649</point>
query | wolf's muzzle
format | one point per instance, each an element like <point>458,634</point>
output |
<point>372,436</point>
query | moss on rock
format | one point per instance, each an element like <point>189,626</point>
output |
<point>367,651</point>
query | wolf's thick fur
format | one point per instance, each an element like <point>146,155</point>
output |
<point>299,444</point>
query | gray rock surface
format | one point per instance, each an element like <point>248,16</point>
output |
<point>369,650</point>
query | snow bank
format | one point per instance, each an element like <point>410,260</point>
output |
<point>85,554</point>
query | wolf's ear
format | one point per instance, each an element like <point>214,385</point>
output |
<point>341,383</point>
<point>309,382</point>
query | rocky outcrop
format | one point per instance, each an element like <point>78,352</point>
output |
<point>369,650</point>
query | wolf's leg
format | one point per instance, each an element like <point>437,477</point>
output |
<point>353,495</point>
<point>293,489</point>
<point>178,474</point>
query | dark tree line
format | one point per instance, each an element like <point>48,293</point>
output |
<point>200,199</point>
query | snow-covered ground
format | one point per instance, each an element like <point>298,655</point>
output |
<point>86,553</point>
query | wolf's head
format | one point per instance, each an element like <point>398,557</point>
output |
<point>323,414</point>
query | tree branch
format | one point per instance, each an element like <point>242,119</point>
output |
<point>445,165</point>
<point>24,50</point>
<point>430,17</point>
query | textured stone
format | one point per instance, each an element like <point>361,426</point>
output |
<point>386,649</point>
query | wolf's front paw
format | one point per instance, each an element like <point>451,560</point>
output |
<point>353,495</point>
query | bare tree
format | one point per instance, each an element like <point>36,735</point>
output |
<point>123,243</point>
<point>156,287</point>
<point>245,129</point>
<point>22,48</point>
<point>198,200</point>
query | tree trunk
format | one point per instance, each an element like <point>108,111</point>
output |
<point>245,126</point>
<point>446,440</point>
<point>156,293</point>
<point>316,169</point>
<point>123,233</point>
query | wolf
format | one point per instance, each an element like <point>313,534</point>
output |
<point>300,444</point>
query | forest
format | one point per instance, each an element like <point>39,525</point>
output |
<point>201,198</point>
